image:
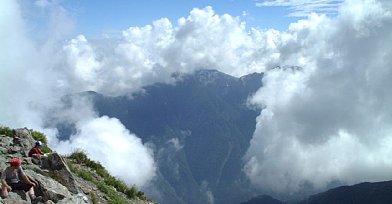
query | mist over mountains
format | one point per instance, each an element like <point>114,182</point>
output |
<point>332,117</point>
<point>199,130</point>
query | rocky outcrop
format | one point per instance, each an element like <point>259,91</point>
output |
<point>55,182</point>
<point>57,168</point>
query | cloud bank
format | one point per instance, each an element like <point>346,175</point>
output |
<point>329,121</point>
<point>34,76</point>
<point>41,64</point>
<point>106,140</point>
<point>150,54</point>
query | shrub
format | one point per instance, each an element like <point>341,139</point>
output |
<point>131,192</point>
<point>46,149</point>
<point>116,183</point>
<point>81,157</point>
<point>113,196</point>
<point>6,131</point>
<point>94,197</point>
<point>39,136</point>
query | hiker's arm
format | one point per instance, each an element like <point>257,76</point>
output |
<point>27,180</point>
<point>5,185</point>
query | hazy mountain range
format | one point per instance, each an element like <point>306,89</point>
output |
<point>200,128</point>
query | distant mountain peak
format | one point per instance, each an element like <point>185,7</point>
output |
<point>212,77</point>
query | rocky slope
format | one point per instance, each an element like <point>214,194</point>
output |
<point>56,183</point>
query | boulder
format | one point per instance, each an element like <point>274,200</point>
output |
<point>49,188</point>
<point>78,198</point>
<point>57,166</point>
<point>16,197</point>
<point>22,138</point>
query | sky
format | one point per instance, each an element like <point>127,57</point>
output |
<point>327,121</point>
<point>101,18</point>
<point>96,19</point>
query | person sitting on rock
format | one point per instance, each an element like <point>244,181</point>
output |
<point>36,149</point>
<point>11,179</point>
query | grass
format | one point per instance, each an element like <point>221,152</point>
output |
<point>131,192</point>
<point>6,131</point>
<point>39,136</point>
<point>94,197</point>
<point>114,197</point>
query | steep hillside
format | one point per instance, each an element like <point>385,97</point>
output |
<point>59,179</point>
<point>206,116</point>
<point>264,199</point>
<point>363,193</point>
<point>200,128</point>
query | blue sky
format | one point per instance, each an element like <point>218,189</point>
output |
<point>94,18</point>
<point>49,51</point>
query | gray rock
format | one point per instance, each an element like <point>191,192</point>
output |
<point>57,165</point>
<point>17,197</point>
<point>16,149</point>
<point>5,141</point>
<point>49,188</point>
<point>23,138</point>
<point>55,182</point>
<point>9,201</point>
<point>78,198</point>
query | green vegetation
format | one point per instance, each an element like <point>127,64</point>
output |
<point>93,197</point>
<point>81,158</point>
<point>6,131</point>
<point>46,149</point>
<point>41,137</point>
<point>114,197</point>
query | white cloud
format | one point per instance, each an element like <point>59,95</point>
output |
<point>20,77</point>
<point>34,75</point>
<point>329,121</point>
<point>175,142</point>
<point>303,8</point>
<point>150,54</point>
<point>314,117</point>
<point>107,140</point>
<point>85,67</point>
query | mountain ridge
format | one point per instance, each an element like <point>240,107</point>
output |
<point>207,116</point>
<point>361,193</point>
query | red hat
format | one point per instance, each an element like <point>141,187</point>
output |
<point>14,161</point>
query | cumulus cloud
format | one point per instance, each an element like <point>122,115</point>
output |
<point>312,118</point>
<point>303,8</point>
<point>21,81</point>
<point>35,74</point>
<point>150,54</point>
<point>106,140</point>
<point>328,121</point>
